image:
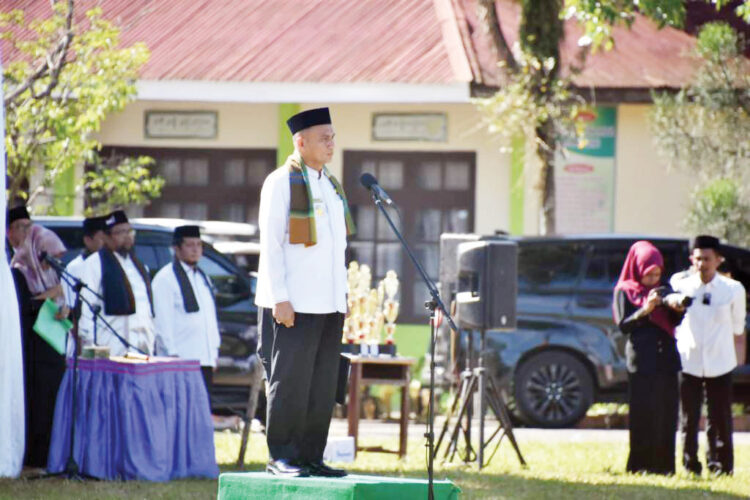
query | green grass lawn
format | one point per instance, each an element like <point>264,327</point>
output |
<point>556,470</point>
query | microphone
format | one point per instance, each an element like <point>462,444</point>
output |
<point>370,182</point>
<point>53,262</point>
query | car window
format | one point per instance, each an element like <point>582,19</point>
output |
<point>604,269</point>
<point>147,256</point>
<point>606,263</point>
<point>232,292</point>
<point>549,265</point>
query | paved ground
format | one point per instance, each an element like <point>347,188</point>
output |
<point>375,428</point>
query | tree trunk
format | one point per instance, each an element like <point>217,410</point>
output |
<point>487,16</point>
<point>540,33</point>
<point>546,152</point>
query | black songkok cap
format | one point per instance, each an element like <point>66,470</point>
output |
<point>705,241</point>
<point>92,225</point>
<point>309,118</point>
<point>15,214</point>
<point>116,217</point>
<point>186,232</point>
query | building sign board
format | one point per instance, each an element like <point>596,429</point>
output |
<point>181,124</point>
<point>431,127</point>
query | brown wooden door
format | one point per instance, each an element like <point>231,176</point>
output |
<point>435,193</point>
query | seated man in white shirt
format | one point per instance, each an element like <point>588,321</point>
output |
<point>186,320</point>
<point>711,342</point>
<point>124,285</point>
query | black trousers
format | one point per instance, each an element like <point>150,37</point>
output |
<point>265,338</point>
<point>304,365</point>
<point>653,422</point>
<point>718,390</point>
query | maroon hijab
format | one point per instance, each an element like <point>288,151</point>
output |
<point>642,257</point>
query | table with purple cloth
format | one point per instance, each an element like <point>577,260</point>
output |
<point>135,420</point>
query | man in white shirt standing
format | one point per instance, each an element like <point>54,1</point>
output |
<point>123,282</point>
<point>304,221</point>
<point>186,322</point>
<point>93,241</point>
<point>711,342</point>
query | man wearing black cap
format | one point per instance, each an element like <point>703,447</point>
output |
<point>304,222</point>
<point>18,226</point>
<point>117,275</point>
<point>711,342</point>
<point>186,321</point>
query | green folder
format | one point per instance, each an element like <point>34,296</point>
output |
<point>50,329</point>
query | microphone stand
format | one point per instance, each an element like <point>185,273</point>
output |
<point>72,469</point>
<point>431,305</point>
<point>74,282</point>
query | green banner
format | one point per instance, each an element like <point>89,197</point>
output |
<point>585,177</point>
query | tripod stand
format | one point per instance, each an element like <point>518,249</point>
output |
<point>472,380</point>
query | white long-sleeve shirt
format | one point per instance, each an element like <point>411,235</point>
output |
<point>75,269</point>
<point>137,329</point>
<point>705,337</point>
<point>312,278</point>
<point>187,335</point>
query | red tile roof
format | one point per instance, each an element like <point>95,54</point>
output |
<point>355,41</point>
<point>281,40</point>
<point>643,57</point>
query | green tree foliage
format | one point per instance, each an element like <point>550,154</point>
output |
<point>66,78</point>
<point>116,182</point>
<point>535,101</point>
<point>597,17</point>
<point>720,207</point>
<point>704,129</point>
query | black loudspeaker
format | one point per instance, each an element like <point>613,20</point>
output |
<point>487,285</point>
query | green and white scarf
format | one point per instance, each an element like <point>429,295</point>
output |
<point>301,211</point>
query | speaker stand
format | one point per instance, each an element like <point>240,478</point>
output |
<point>489,395</point>
<point>461,395</point>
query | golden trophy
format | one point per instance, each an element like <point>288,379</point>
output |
<point>371,311</point>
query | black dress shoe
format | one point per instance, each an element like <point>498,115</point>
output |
<point>283,467</point>
<point>321,469</point>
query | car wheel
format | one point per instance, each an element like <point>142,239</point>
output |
<point>553,389</point>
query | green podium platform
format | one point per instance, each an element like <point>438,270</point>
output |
<point>236,486</point>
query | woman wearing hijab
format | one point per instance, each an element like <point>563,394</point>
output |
<point>652,359</point>
<point>43,366</point>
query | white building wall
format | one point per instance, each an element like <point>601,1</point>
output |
<point>648,199</point>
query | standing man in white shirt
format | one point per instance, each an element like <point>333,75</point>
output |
<point>186,322</point>
<point>123,282</point>
<point>711,342</point>
<point>93,241</point>
<point>304,221</point>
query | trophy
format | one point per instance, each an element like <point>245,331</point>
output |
<point>371,310</point>
<point>390,305</point>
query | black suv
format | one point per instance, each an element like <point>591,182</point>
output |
<point>566,342</point>
<point>235,296</point>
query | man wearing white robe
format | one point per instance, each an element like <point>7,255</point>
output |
<point>137,328</point>
<point>186,321</point>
